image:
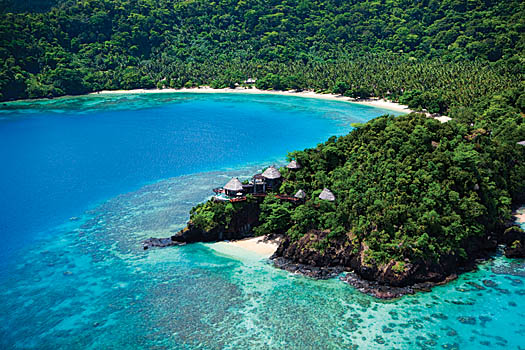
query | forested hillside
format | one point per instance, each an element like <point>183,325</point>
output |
<point>445,53</point>
<point>416,200</point>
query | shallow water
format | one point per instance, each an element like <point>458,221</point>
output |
<point>86,284</point>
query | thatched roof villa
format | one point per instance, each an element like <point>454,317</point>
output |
<point>233,187</point>
<point>294,165</point>
<point>271,173</point>
<point>300,194</point>
<point>327,195</point>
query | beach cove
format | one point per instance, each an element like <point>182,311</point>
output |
<point>87,278</point>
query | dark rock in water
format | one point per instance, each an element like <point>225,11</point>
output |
<point>514,239</point>
<point>489,283</point>
<point>307,270</point>
<point>467,320</point>
<point>440,316</point>
<point>158,242</point>
<point>475,285</point>
<point>379,339</point>
<point>387,329</point>
<point>375,289</point>
<point>516,250</point>
<point>484,319</point>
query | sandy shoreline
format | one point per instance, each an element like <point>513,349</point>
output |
<point>253,245</point>
<point>520,215</point>
<point>380,103</point>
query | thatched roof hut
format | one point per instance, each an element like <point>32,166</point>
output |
<point>300,194</point>
<point>521,143</point>
<point>293,165</point>
<point>271,173</point>
<point>327,195</point>
<point>234,185</point>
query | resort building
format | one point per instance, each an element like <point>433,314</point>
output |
<point>272,178</point>
<point>327,195</point>
<point>301,195</point>
<point>233,188</point>
<point>293,165</point>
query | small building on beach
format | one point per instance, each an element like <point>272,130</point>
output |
<point>327,195</point>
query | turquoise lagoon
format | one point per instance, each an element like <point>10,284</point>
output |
<point>128,167</point>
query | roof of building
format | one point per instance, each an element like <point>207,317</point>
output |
<point>233,185</point>
<point>300,194</point>
<point>293,165</point>
<point>327,195</point>
<point>271,173</point>
<point>521,143</point>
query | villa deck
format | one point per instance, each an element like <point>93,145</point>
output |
<point>287,198</point>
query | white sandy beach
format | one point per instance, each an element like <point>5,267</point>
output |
<point>380,103</point>
<point>255,245</point>
<point>520,215</point>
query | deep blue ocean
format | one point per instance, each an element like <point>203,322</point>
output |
<point>84,179</point>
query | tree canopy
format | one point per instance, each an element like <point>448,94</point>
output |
<point>437,53</point>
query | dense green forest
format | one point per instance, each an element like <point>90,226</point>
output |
<point>439,54</point>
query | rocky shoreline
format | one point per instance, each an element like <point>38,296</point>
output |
<point>313,257</point>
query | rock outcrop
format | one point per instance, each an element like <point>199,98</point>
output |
<point>318,255</point>
<point>514,240</point>
<point>240,227</point>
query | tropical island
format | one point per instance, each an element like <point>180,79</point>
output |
<point>401,201</point>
